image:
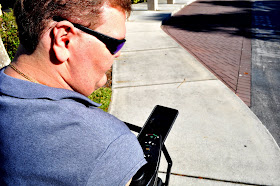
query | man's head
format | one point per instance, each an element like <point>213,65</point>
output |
<point>61,41</point>
<point>33,16</point>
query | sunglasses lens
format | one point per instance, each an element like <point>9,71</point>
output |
<point>118,48</point>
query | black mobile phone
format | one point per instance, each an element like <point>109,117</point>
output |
<point>159,122</point>
<point>151,139</point>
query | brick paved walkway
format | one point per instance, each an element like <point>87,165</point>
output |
<point>217,33</point>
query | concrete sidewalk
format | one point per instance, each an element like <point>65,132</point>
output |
<point>216,136</point>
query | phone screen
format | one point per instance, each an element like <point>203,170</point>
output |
<point>159,122</point>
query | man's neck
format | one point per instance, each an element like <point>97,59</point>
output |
<point>38,68</point>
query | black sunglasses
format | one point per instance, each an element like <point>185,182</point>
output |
<point>113,45</point>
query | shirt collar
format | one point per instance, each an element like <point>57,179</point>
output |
<point>28,90</point>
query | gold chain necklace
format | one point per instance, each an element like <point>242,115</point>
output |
<point>22,74</point>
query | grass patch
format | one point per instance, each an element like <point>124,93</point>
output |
<point>103,96</point>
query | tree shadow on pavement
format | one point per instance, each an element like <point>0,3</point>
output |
<point>228,17</point>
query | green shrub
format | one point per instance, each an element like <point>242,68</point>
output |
<point>137,1</point>
<point>103,96</point>
<point>9,33</point>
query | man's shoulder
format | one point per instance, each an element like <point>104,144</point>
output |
<point>93,117</point>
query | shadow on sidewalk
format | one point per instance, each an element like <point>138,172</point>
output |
<point>224,17</point>
<point>229,17</point>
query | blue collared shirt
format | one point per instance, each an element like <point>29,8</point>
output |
<point>51,136</point>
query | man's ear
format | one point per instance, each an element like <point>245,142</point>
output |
<point>63,34</point>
